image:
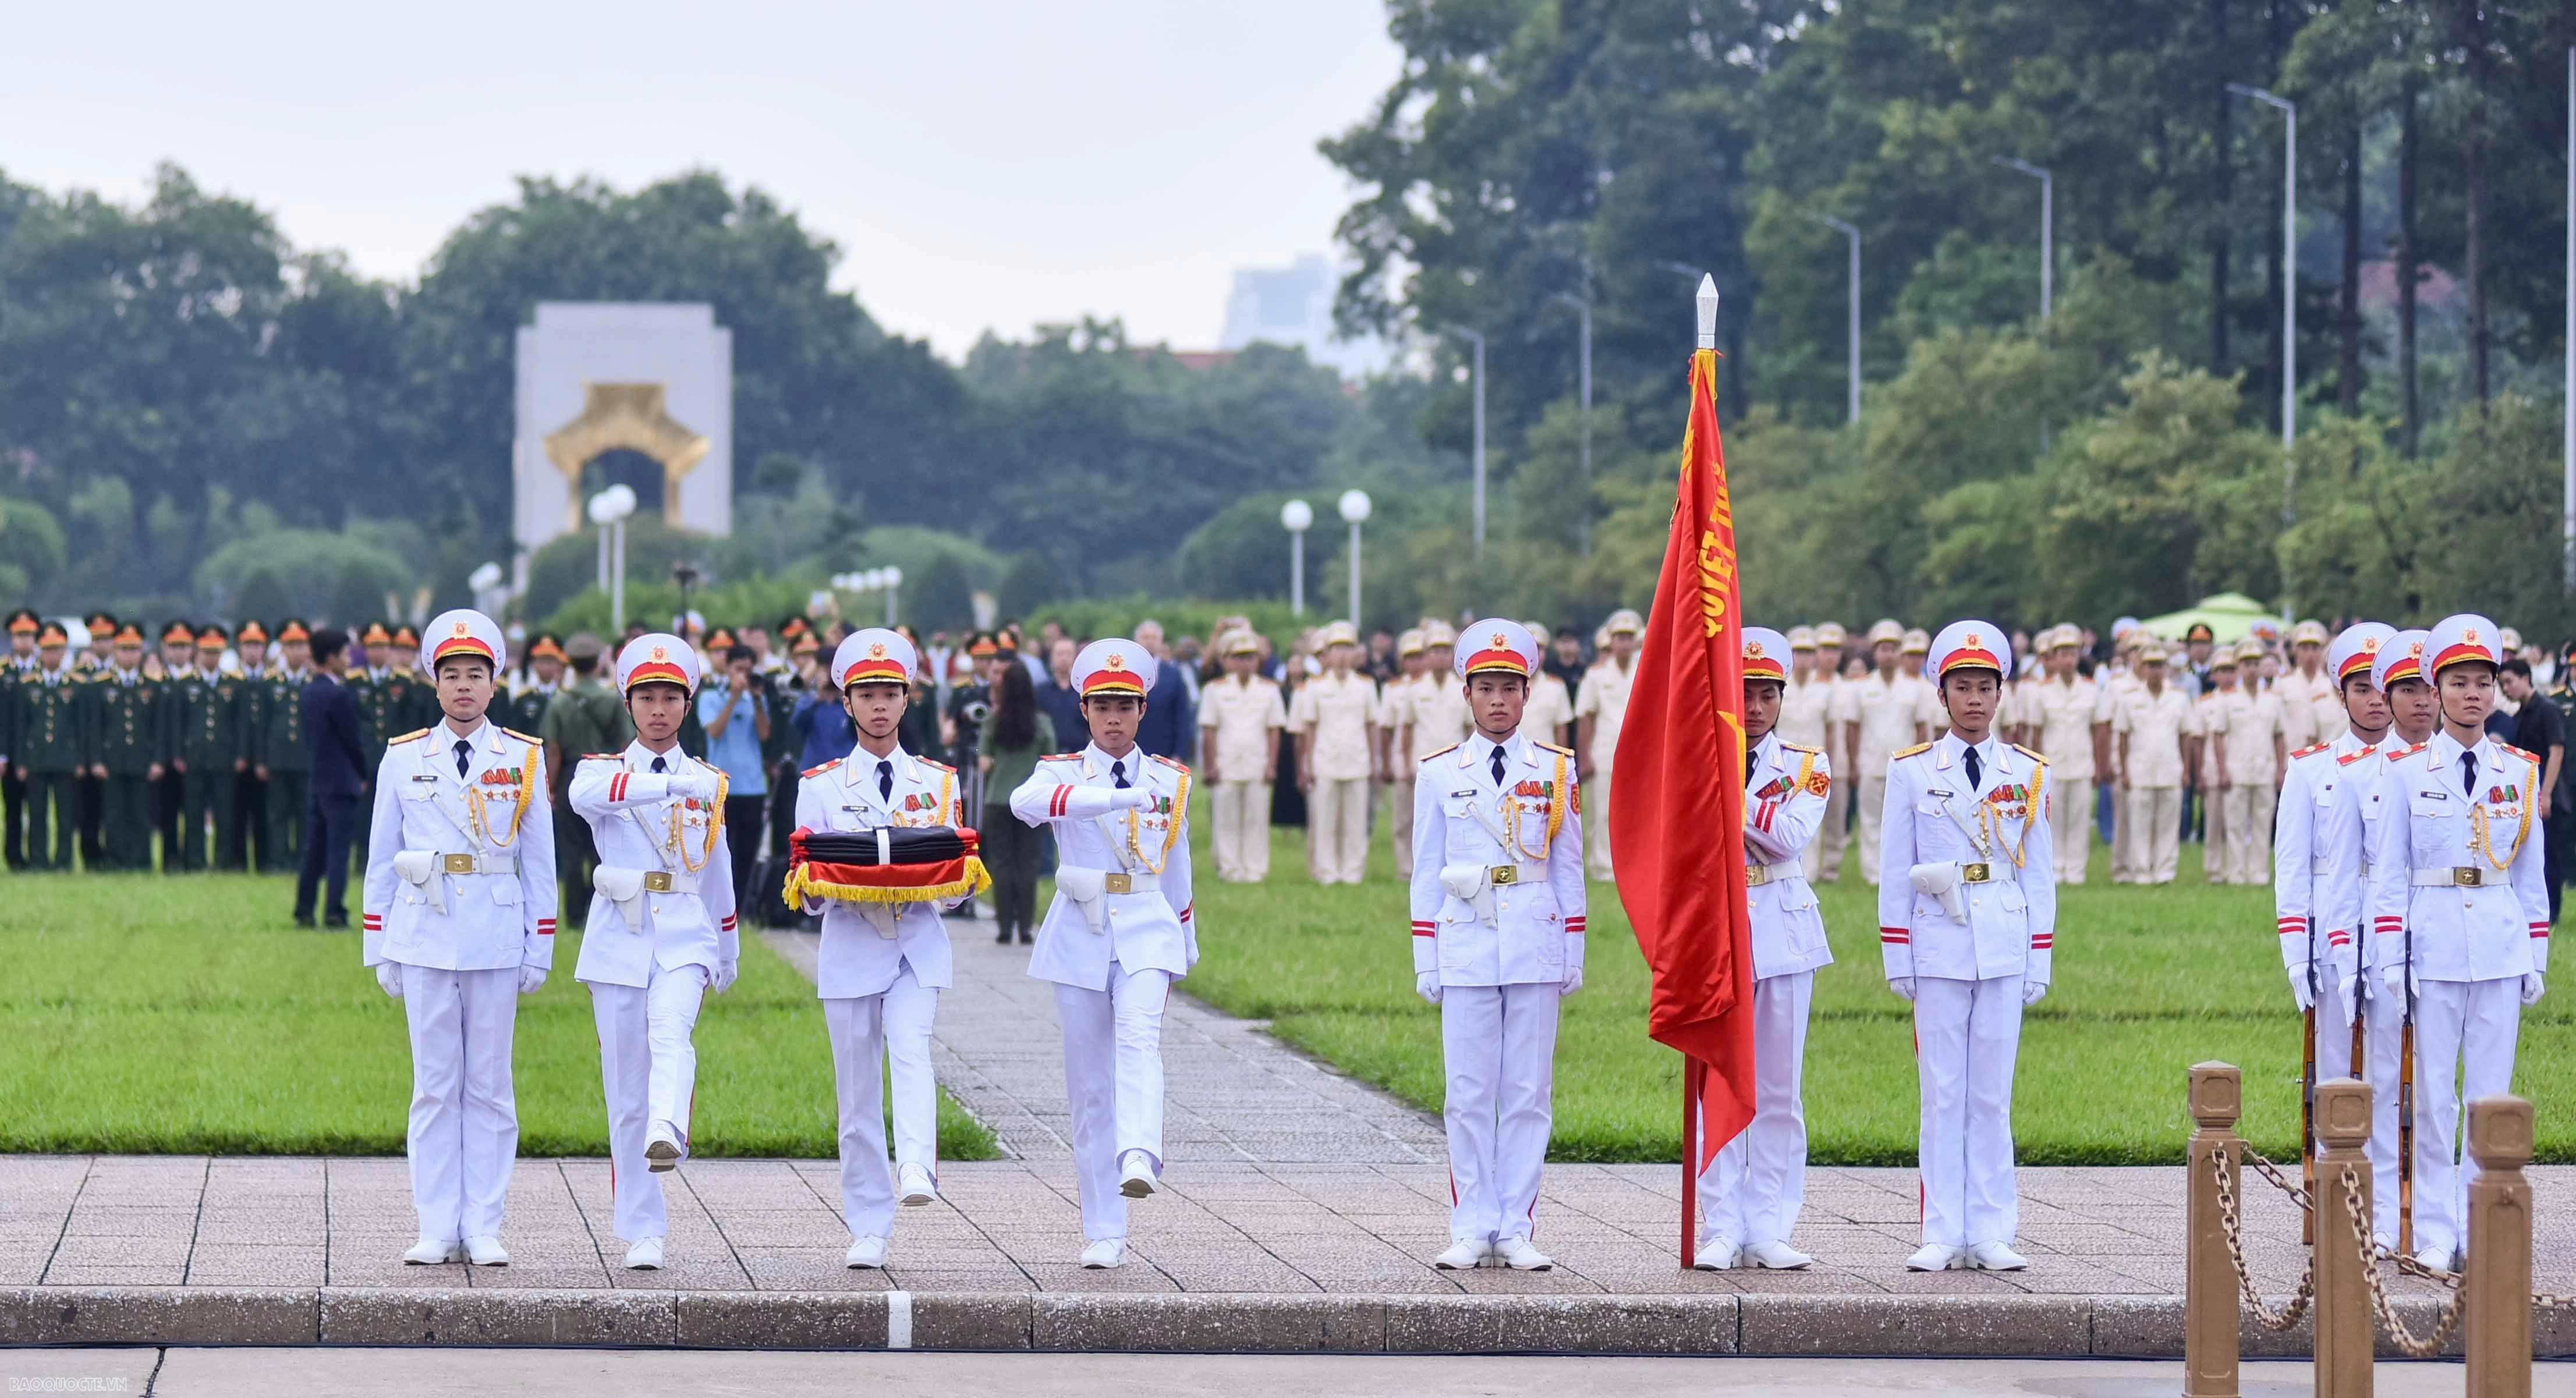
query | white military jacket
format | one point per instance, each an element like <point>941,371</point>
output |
<point>679,909</point>
<point>2459,869</point>
<point>1784,801</point>
<point>1498,890</point>
<point>2317,864</point>
<point>1997,829</point>
<point>1140,856</point>
<point>461,870</point>
<point>856,957</point>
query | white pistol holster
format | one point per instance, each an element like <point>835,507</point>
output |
<point>1084,887</point>
<point>1940,881</point>
<point>1472,885</point>
<point>625,888</point>
<point>419,868</point>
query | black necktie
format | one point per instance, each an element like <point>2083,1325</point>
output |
<point>462,748</point>
<point>885,780</point>
<point>1976,770</point>
<point>2469,775</point>
<point>658,765</point>
<point>1118,775</point>
<point>1498,764</point>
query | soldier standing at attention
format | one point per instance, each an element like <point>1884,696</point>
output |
<point>1551,708</point>
<point>1240,715</point>
<point>1396,701</point>
<point>1831,640</point>
<point>86,785</point>
<point>2069,716</point>
<point>1751,1195</point>
<point>1967,916</point>
<point>125,756</point>
<point>459,922</point>
<point>279,758</point>
<point>23,626</point>
<point>2152,728</point>
<point>51,749</point>
<point>204,741</point>
<point>2255,754</point>
<point>1334,751</point>
<point>1440,717</point>
<point>2311,709</point>
<point>1885,704</point>
<point>1599,711</point>
<point>177,659</point>
<point>2212,712</point>
<point>242,849</point>
<point>1498,902</point>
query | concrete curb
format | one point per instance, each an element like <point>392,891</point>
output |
<point>1849,1325</point>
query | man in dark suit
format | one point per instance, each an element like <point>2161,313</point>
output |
<point>338,782</point>
<point>1170,727</point>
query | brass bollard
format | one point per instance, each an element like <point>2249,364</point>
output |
<point>2209,1324</point>
<point>2343,1318</point>
<point>2495,1289</point>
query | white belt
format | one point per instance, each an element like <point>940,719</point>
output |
<point>479,864</point>
<point>2323,867</point>
<point>1988,871</point>
<point>2461,876</point>
<point>1119,881</point>
<point>1756,875</point>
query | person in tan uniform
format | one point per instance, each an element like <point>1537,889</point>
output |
<point>1930,719</point>
<point>1440,715</point>
<point>1835,837</point>
<point>2117,680</point>
<point>1336,756</point>
<point>1550,713</point>
<point>2311,711</point>
<point>1395,701</point>
<point>2069,718</point>
<point>1806,703</point>
<point>2257,752</point>
<point>1885,708</point>
<point>1598,713</point>
<point>2152,728</point>
<point>2214,713</point>
<point>1240,717</point>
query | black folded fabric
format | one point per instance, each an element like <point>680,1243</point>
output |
<point>918,844</point>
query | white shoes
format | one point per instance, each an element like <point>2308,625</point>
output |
<point>1936,1257</point>
<point>486,1252</point>
<point>429,1252</point>
<point>1994,1255</point>
<point>1136,1174</point>
<point>1773,1255</point>
<point>1464,1254</point>
<point>1105,1253</point>
<point>645,1255</point>
<point>1517,1254</point>
<point>864,1254</point>
<point>1716,1253</point>
<point>2440,1260</point>
<point>916,1188</point>
<point>663,1151</point>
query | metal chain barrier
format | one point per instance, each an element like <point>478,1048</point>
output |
<point>2272,1172</point>
<point>2444,1322</point>
<point>2264,1315</point>
<point>2551,1301</point>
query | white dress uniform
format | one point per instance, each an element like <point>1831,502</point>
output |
<point>1751,1194</point>
<point>662,932</point>
<point>2316,859</point>
<point>1498,899</point>
<point>2458,908</point>
<point>879,967</point>
<point>459,921</point>
<point>1116,936</point>
<point>1967,913</point>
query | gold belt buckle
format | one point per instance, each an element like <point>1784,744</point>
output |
<point>1756,875</point>
<point>1975,873</point>
<point>657,880</point>
<point>457,863</point>
<point>1118,883</point>
<point>1504,875</point>
<point>2468,876</point>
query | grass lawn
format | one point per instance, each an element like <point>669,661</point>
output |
<point>180,1015</point>
<point>2149,981</point>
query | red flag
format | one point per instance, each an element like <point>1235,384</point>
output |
<point>1677,810</point>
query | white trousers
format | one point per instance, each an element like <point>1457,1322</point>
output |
<point>1825,852</point>
<point>1753,1190</point>
<point>1596,836</point>
<point>2124,850</point>
<point>1873,805</point>
<point>2154,832</point>
<point>2465,1036</point>
<point>1499,1045</point>
<point>1242,831</point>
<point>1399,823</point>
<point>1113,1081</point>
<point>874,1038</point>
<point>464,1132</point>
<point>1337,829</point>
<point>2219,811</point>
<point>648,1071</point>
<point>1967,1035</point>
<point>2249,832</point>
<point>2383,1028</point>
<point>2070,821</point>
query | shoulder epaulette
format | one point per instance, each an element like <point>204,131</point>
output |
<point>1074,756</point>
<point>2396,753</point>
<point>1797,747</point>
<point>522,737</point>
<point>2525,756</point>
<point>2310,749</point>
<point>1551,747</point>
<point>1453,747</point>
<point>933,762</point>
<point>2352,757</point>
<point>407,737</point>
<point>602,756</point>
<point>1172,762</point>
<point>2034,755</point>
<point>818,771</point>
<point>1909,752</point>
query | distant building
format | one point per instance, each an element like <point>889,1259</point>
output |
<point>1294,306</point>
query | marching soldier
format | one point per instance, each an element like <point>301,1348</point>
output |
<point>1498,904</point>
<point>662,936</point>
<point>1395,704</point>
<point>1117,935</point>
<point>1967,914</point>
<point>880,966</point>
<point>1882,717</point>
<point>459,922</point>
<point>279,761</point>
<point>1240,715</point>
<point>1599,712</point>
<point>24,625</point>
<point>125,751</point>
<point>50,749</point>
<point>2459,912</point>
<point>1752,1193</point>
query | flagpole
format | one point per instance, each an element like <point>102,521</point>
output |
<point>1695,1072</point>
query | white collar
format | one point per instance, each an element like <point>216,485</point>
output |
<point>480,735</point>
<point>641,757</point>
<point>2445,750</point>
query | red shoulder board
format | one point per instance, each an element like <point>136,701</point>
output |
<point>2311,748</point>
<point>2350,758</point>
<point>601,756</point>
<point>818,771</point>
<point>2396,753</point>
<point>2525,756</point>
<point>1174,764</point>
<point>522,737</point>
<point>1074,756</point>
<point>942,766</point>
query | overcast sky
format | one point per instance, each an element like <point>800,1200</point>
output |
<point>981,164</point>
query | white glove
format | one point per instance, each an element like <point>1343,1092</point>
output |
<point>1902,985</point>
<point>2393,978</point>
<point>1573,981</point>
<point>694,782</point>
<point>722,979</point>
<point>531,977</point>
<point>389,975</point>
<point>1132,798</point>
<point>2349,990</point>
<point>2531,988</point>
<point>2032,992</point>
<point>2300,992</point>
<point>1427,985</point>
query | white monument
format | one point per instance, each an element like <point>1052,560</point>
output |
<point>596,377</point>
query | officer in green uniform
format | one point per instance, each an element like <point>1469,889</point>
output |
<point>90,664</point>
<point>204,739</point>
<point>23,625</point>
<point>51,744</point>
<point>543,679</point>
<point>248,848</point>
<point>278,756</point>
<point>178,656</point>
<point>125,751</point>
<point>416,706</point>
<point>370,669</point>
<point>585,716</point>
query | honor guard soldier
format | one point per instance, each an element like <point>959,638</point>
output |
<point>1600,709</point>
<point>1117,935</point>
<point>661,933</point>
<point>1498,903</point>
<point>51,748</point>
<point>278,757</point>
<point>1751,1194</point>
<point>1240,717</point>
<point>203,740</point>
<point>459,922</point>
<point>2460,913</point>
<point>1967,914</point>
<point>880,966</point>
<point>125,752</point>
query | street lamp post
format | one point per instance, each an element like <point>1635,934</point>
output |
<point>2289,290</point>
<point>1851,331</point>
<point>1296,517</point>
<point>1477,339</point>
<point>1355,512</point>
<point>1583,386</point>
<point>2047,224</point>
<point>610,509</point>
<point>489,594</point>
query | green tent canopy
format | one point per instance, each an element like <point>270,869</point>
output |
<point>2229,616</point>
